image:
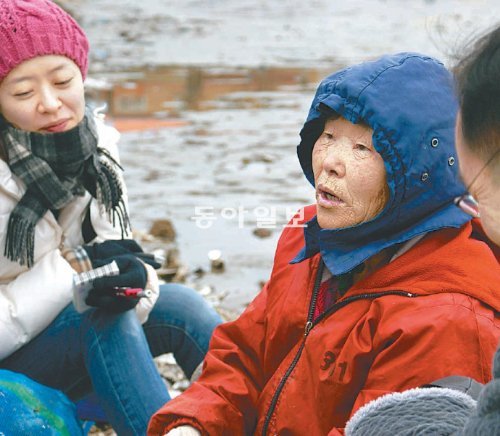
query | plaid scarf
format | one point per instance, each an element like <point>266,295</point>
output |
<point>56,167</point>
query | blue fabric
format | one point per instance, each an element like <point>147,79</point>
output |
<point>408,101</point>
<point>89,409</point>
<point>111,354</point>
<point>29,408</point>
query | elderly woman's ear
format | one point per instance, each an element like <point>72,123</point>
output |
<point>349,175</point>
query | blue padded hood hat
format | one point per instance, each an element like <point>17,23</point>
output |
<point>408,100</point>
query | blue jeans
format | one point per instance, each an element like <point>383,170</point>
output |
<point>110,355</point>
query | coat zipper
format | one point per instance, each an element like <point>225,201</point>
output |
<point>309,326</point>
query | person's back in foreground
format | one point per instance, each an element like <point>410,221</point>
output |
<point>412,295</point>
<point>478,146</point>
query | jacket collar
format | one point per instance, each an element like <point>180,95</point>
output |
<point>342,252</point>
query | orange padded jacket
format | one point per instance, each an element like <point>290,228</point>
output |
<point>429,314</point>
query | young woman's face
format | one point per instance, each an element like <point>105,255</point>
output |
<point>44,94</point>
<point>349,175</point>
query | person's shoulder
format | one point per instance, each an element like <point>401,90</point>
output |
<point>4,167</point>
<point>7,181</point>
<point>108,136</point>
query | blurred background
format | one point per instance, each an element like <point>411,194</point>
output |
<point>210,97</point>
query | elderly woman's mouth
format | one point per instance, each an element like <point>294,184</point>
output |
<point>327,199</point>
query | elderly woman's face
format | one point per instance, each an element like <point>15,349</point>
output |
<point>349,175</point>
<point>484,188</point>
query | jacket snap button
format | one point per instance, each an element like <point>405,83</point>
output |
<point>434,142</point>
<point>424,177</point>
<point>451,161</point>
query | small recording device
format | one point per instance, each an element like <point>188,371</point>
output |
<point>82,283</point>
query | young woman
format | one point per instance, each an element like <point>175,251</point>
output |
<point>63,210</point>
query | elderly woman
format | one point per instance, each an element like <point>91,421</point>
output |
<point>388,287</point>
<point>444,410</point>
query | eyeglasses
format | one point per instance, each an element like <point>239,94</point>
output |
<point>466,201</point>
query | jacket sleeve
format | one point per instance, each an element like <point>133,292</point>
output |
<point>31,300</point>
<point>413,348</point>
<point>223,400</point>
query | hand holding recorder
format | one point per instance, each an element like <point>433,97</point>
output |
<point>108,292</point>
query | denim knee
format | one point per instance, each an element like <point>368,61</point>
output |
<point>181,322</point>
<point>184,306</point>
<point>103,323</point>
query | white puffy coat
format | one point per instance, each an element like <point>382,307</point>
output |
<point>30,299</point>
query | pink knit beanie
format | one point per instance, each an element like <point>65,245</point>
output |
<point>30,28</point>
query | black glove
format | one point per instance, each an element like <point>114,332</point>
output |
<point>132,275</point>
<point>116,247</point>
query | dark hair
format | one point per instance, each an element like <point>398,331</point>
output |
<point>477,77</point>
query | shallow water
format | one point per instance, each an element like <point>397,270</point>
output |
<point>218,178</point>
<point>233,157</point>
<point>285,32</point>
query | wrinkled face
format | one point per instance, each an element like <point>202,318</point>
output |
<point>485,188</point>
<point>349,175</point>
<point>44,94</point>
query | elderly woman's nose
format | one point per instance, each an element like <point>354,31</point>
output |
<point>48,100</point>
<point>334,161</point>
